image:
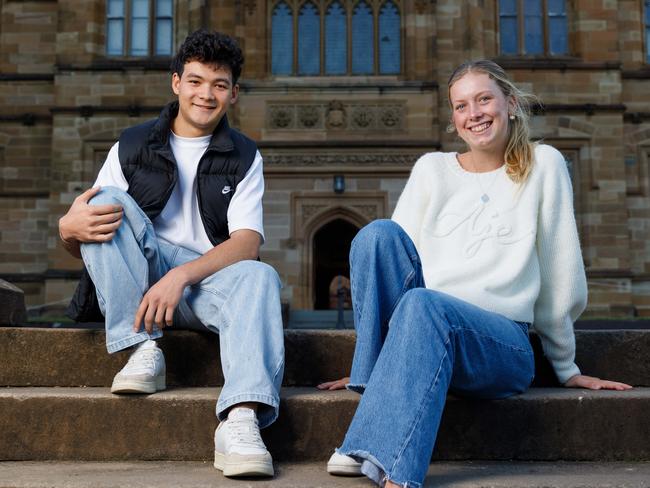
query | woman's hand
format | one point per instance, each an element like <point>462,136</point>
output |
<point>582,381</point>
<point>334,385</point>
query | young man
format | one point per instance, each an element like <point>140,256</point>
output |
<point>170,235</point>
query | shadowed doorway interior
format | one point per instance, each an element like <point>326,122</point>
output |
<point>331,252</point>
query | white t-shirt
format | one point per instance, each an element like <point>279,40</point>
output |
<point>180,222</point>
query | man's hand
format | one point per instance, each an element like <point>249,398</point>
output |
<point>89,223</point>
<point>158,304</point>
<point>582,381</point>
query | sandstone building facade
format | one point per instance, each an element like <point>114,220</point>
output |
<point>342,97</point>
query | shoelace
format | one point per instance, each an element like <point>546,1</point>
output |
<point>244,433</point>
<point>141,360</point>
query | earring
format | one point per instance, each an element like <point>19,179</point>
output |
<point>511,117</point>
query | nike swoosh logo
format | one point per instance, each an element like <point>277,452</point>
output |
<point>225,190</point>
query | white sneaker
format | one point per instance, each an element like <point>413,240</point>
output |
<point>341,465</point>
<point>238,446</point>
<point>143,373</point>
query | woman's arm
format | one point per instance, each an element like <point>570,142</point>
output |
<point>334,385</point>
<point>411,206</point>
<point>592,383</point>
<point>563,291</point>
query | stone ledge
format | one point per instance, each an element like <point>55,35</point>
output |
<point>178,424</point>
<point>469,474</point>
<point>78,357</point>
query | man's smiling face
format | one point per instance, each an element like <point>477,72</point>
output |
<point>205,93</point>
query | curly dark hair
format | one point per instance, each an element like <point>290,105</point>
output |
<point>209,47</point>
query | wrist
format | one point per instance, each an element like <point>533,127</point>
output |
<point>181,275</point>
<point>63,234</point>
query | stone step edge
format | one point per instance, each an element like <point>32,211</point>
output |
<point>305,393</point>
<point>541,424</point>
<point>170,474</point>
<point>74,357</point>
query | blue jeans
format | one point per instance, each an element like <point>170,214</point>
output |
<point>240,302</point>
<point>414,345</point>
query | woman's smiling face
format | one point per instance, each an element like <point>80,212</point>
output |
<point>480,112</point>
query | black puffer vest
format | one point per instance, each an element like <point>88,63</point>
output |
<point>150,169</point>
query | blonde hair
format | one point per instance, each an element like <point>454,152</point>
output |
<point>519,148</point>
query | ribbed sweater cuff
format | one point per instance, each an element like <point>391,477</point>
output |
<point>564,372</point>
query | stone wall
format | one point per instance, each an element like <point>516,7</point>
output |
<point>63,104</point>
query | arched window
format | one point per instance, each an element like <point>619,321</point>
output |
<point>336,40</point>
<point>336,37</point>
<point>282,40</point>
<point>533,27</point>
<point>363,52</point>
<point>389,39</point>
<point>308,40</point>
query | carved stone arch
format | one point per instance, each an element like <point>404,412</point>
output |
<point>397,3</point>
<point>311,211</point>
<point>317,271</point>
<point>372,5</point>
<point>315,3</point>
<point>332,213</point>
<point>275,3</point>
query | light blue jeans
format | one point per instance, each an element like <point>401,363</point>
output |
<point>240,302</point>
<point>414,345</point>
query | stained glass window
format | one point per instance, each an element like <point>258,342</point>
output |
<point>363,53</point>
<point>308,40</point>
<point>389,39</point>
<point>533,27</point>
<point>282,40</point>
<point>336,40</point>
<point>336,37</point>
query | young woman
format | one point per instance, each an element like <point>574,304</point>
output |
<point>481,245</point>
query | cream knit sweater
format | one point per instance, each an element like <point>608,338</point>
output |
<point>517,254</point>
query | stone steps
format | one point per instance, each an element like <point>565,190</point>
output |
<point>91,424</point>
<point>78,357</point>
<point>56,406</point>
<point>312,475</point>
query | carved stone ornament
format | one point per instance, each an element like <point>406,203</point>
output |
<point>390,116</point>
<point>336,116</point>
<point>281,117</point>
<point>309,116</point>
<point>326,158</point>
<point>368,211</point>
<point>363,117</point>
<point>308,211</point>
<point>380,116</point>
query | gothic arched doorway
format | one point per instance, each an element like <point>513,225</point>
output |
<point>330,257</point>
